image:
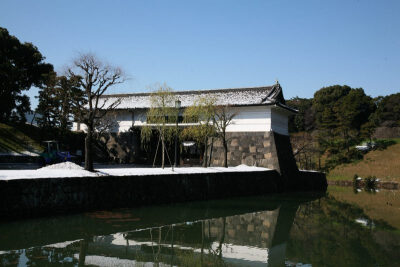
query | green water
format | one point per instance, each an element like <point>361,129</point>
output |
<point>277,230</point>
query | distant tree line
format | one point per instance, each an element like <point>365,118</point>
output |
<point>340,117</point>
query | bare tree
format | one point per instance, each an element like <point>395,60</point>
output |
<point>222,119</point>
<point>95,78</point>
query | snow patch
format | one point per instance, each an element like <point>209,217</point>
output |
<point>69,170</point>
<point>62,244</point>
<point>63,166</point>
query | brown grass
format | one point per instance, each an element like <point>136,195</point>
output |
<point>384,164</point>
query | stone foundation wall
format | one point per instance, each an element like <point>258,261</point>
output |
<point>249,148</point>
<point>31,197</point>
<point>44,196</point>
<point>264,149</point>
<point>121,147</point>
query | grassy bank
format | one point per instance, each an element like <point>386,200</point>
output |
<point>14,140</point>
<point>384,164</point>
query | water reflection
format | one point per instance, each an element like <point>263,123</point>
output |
<point>291,230</point>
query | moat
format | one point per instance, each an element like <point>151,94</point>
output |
<point>340,228</point>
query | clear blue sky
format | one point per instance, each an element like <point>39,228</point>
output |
<point>222,44</point>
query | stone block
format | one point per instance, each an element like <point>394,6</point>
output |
<point>231,233</point>
<point>252,149</point>
<point>260,150</point>
<point>237,154</point>
<point>259,156</point>
<point>267,163</point>
<point>235,142</point>
<point>217,143</point>
<point>266,143</point>
<point>245,149</point>
<point>268,155</point>
<point>264,235</point>
<point>249,161</point>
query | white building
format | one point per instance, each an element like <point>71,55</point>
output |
<point>261,117</point>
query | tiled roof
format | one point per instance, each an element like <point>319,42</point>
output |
<point>264,95</point>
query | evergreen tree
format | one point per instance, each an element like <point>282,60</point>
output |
<point>304,119</point>
<point>21,66</point>
<point>56,102</point>
<point>388,111</point>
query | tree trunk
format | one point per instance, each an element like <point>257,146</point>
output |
<point>211,150</point>
<point>162,151</point>
<point>205,152</point>
<point>89,150</point>
<point>225,153</point>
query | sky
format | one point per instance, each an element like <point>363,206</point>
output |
<point>306,45</point>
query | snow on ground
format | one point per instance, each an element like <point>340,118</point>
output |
<point>63,166</point>
<point>62,244</point>
<point>65,169</point>
<point>69,169</point>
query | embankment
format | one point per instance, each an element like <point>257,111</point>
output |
<point>34,197</point>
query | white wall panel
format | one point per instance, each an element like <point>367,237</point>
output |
<point>280,121</point>
<point>251,119</point>
<point>247,119</point>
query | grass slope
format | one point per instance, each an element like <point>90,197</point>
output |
<point>13,140</point>
<point>384,164</point>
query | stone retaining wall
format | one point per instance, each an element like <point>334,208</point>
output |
<point>264,149</point>
<point>32,197</point>
<point>249,148</point>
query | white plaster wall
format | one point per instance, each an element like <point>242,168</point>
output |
<point>139,118</point>
<point>123,120</point>
<point>251,119</point>
<point>280,121</point>
<point>76,127</point>
<point>247,119</point>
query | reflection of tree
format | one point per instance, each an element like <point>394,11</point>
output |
<point>42,256</point>
<point>10,259</point>
<point>84,244</point>
<point>326,233</point>
<point>221,241</point>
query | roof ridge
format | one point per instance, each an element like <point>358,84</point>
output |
<point>185,92</point>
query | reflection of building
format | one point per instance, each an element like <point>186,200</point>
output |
<point>247,229</point>
<point>238,240</point>
<point>209,233</point>
<point>258,133</point>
